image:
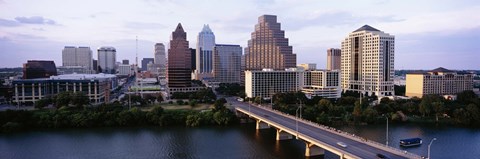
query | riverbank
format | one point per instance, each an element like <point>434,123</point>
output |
<point>114,116</point>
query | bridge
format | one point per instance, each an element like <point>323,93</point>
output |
<point>317,138</point>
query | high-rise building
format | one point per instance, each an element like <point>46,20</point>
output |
<point>205,44</point>
<point>268,47</point>
<point>39,69</point>
<point>334,59</point>
<point>95,65</point>
<point>439,81</point>
<point>193,62</point>
<point>323,83</point>
<point>125,62</point>
<point>81,56</point>
<point>125,70</point>
<point>227,63</point>
<point>145,62</point>
<point>107,59</point>
<point>367,62</point>
<point>265,83</point>
<point>179,60</point>
<point>160,56</point>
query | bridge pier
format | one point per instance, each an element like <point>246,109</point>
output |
<point>262,125</point>
<point>282,135</point>
<point>313,150</point>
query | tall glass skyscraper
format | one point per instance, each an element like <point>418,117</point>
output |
<point>107,59</point>
<point>367,62</point>
<point>179,60</point>
<point>268,47</point>
<point>227,63</point>
<point>205,44</point>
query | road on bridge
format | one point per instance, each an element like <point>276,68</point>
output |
<point>355,147</point>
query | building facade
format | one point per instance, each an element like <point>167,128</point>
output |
<point>125,62</point>
<point>96,86</point>
<point>160,56</point>
<point>267,82</point>
<point>439,81</point>
<point>39,69</point>
<point>308,66</point>
<point>334,59</point>
<point>322,83</point>
<point>107,58</point>
<point>227,63</point>
<point>145,62</point>
<point>125,70</point>
<point>81,56</point>
<point>204,54</point>
<point>367,62</point>
<point>179,60</point>
<point>268,47</point>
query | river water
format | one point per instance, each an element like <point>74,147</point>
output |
<point>241,141</point>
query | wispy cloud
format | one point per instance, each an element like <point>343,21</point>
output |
<point>145,25</point>
<point>8,23</point>
<point>35,20</point>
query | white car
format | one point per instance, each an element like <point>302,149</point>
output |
<point>240,99</point>
<point>341,144</point>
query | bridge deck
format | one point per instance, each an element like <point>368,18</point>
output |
<point>319,135</point>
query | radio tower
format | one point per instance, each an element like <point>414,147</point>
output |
<point>136,65</point>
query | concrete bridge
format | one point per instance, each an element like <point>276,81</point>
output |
<point>317,138</point>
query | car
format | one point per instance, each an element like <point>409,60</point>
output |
<point>341,144</point>
<point>381,156</point>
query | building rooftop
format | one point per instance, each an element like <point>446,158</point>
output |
<point>83,76</point>
<point>441,69</point>
<point>366,28</point>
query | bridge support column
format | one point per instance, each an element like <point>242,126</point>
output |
<point>262,125</point>
<point>313,150</point>
<point>282,135</point>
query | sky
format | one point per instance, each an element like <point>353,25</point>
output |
<point>428,33</point>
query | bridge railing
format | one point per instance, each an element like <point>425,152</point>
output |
<point>346,134</point>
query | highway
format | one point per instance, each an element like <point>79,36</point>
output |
<point>355,147</point>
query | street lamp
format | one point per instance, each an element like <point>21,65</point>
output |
<point>296,121</point>
<point>386,136</point>
<point>429,146</point>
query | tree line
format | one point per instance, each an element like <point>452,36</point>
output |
<point>112,115</point>
<point>351,109</point>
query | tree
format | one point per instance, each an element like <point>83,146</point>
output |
<point>193,120</point>
<point>223,117</point>
<point>258,100</point>
<point>219,105</point>
<point>79,99</point>
<point>63,99</point>
<point>357,110</point>
<point>155,116</point>
<point>466,97</point>
<point>439,108</point>
<point>370,115</point>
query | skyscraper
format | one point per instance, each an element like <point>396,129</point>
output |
<point>125,62</point>
<point>333,59</point>
<point>107,59</point>
<point>367,61</point>
<point>268,47</point>
<point>227,63</point>
<point>160,57</point>
<point>179,60</point>
<point>81,56</point>
<point>205,44</point>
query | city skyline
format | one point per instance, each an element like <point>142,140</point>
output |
<point>433,34</point>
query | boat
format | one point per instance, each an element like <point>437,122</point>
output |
<point>410,142</point>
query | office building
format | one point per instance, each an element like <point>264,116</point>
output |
<point>322,83</point>
<point>125,62</point>
<point>81,56</point>
<point>107,59</point>
<point>145,62</point>
<point>367,62</point>
<point>193,61</point>
<point>205,44</point>
<point>268,47</point>
<point>308,66</point>
<point>334,59</point>
<point>267,82</point>
<point>439,81</point>
<point>39,69</point>
<point>227,63</point>
<point>125,70</point>
<point>160,56</point>
<point>96,86</point>
<point>179,60</point>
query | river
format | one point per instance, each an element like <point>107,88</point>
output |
<point>240,141</point>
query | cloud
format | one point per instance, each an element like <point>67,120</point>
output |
<point>8,23</point>
<point>35,20</point>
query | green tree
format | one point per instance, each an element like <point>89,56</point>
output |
<point>222,117</point>
<point>357,111</point>
<point>370,115</point>
<point>193,120</point>
<point>63,99</point>
<point>79,99</point>
<point>258,100</point>
<point>439,108</point>
<point>155,116</point>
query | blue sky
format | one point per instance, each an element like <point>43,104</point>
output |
<point>429,33</point>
